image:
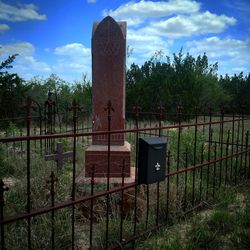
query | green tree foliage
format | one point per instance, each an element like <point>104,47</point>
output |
<point>184,79</point>
<point>39,89</point>
<point>187,80</point>
<point>237,88</point>
<point>12,90</point>
<point>63,92</point>
<point>82,92</point>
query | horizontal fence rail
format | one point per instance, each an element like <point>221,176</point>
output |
<point>43,206</point>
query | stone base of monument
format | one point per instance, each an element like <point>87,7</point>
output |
<point>103,180</point>
<point>97,156</point>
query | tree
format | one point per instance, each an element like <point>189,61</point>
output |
<point>82,92</point>
<point>63,92</point>
<point>189,80</point>
<point>12,90</point>
<point>237,88</point>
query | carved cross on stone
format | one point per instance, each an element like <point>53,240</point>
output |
<point>59,156</point>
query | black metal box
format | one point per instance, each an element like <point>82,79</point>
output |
<point>152,160</point>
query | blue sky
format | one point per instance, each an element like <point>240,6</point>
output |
<point>55,36</point>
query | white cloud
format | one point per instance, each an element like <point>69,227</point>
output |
<point>134,21</point>
<point>196,24</point>
<point>238,5</point>
<point>217,47</point>
<point>25,62</point>
<point>39,66</point>
<point>74,57</point>
<point>21,48</point>
<point>73,50</point>
<point>232,54</point>
<point>239,69</point>
<point>147,9</point>
<point>153,25</point>
<point>144,46</point>
<point>71,61</point>
<point>19,13</point>
<point>154,37</point>
<point>3,28</point>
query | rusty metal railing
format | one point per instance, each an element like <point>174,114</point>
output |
<point>204,155</point>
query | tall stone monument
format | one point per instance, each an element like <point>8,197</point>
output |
<point>108,84</point>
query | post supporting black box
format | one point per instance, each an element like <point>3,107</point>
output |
<point>152,160</point>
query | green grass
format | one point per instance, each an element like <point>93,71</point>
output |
<point>226,225</point>
<point>198,234</point>
<point>13,170</point>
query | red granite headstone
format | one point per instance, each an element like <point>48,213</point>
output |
<point>108,84</point>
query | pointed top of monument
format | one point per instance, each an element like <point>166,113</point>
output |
<point>107,18</point>
<point>109,21</point>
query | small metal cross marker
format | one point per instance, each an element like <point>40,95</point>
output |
<point>59,156</point>
<point>157,166</point>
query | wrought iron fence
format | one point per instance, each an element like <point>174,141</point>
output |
<point>209,152</point>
